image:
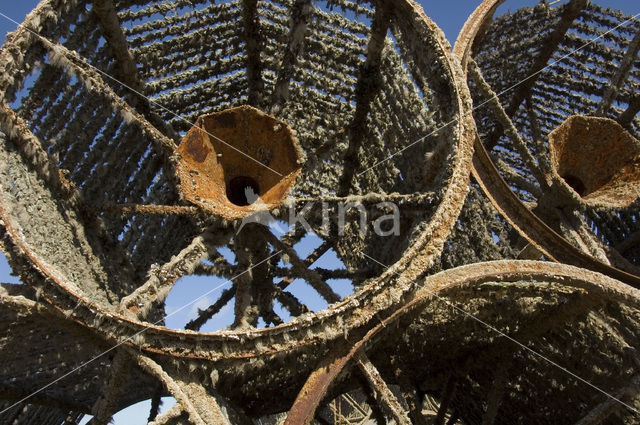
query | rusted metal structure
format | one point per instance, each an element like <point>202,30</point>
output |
<point>137,137</point>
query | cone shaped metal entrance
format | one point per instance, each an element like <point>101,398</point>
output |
<point>236,158</point>
<point>598,159</point>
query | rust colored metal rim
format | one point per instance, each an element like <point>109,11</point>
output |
<point>318,383</point>
<point>379,294</point>
<point>532,228</point>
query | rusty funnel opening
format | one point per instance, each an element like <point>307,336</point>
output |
<point>238,160</point>
<point>243,190</point>
<point>575,183</point>
<point>597,159</point>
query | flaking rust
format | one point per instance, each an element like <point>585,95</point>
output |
<point>237,161</point>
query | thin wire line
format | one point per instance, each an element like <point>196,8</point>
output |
<point>146,97</point>
<point>564,369</point>
<point>496,96</point>
<point>137,333</point>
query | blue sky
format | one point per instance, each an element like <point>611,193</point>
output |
<point>449,15</point>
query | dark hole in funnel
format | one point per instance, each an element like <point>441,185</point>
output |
<point>575,183</point>
<point>242,191</point>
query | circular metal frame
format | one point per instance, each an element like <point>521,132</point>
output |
<point>546,240</point>
<point>378,294</point>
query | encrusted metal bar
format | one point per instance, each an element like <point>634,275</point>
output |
<point>220,267</point>
<point>245,310</point>
<point>506,123</point>
<point>294,235</point>
<point>290,302</point>
<point>194,406</point>
<point>376,410</point>
<point>106,405</point>
<point>301,13</point>
<point>367,88</point>
<point>630,113</point>
<point>310,275</point>
<point>571,12</point>
<point>253,45</point>
<point>169,416</point>
<point>254,284</point>
<point>384,395</point>
<point>410,199</point>
<point>162,279</point>
<point>135,209</point>
<point>538,140</point>
<point>409,391</point>
<point>447,397</point>
<point>605,409</point>
<point>318,252</point>
<point>270,316</point>
<point>205,405</point>
<point>108,18</point>
<point>156,401</point>
<point>496,393</point>
<point>291,274</point>
<point>245,315</point>
<point>582,233</point>
<point>209,312</point>
<point>515,178</point>
<point>620,76</point>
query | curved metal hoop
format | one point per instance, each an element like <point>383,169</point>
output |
<point>485,172</point>
<point>438,286</point>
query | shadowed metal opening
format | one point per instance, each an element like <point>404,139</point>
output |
<point>243,190</point>
<point>575,183</point>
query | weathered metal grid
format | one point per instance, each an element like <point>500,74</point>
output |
<point>464,243</point>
